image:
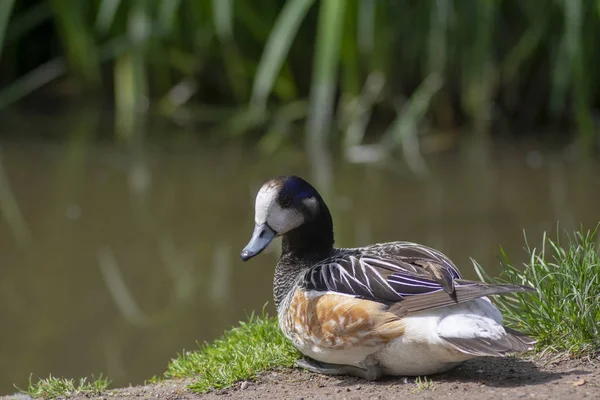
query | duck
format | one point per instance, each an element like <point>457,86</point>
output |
<point>397,308</point>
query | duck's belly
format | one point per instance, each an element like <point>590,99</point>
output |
<point>351,355</point>
<point>403,359</point>
<point>400,357</point>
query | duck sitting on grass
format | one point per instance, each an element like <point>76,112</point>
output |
<point>396,308</point>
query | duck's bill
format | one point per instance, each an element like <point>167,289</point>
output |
<point>261,237</point>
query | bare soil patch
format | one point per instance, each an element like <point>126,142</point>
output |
<point>486,378</point>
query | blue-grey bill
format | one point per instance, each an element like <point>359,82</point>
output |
<point>261,237</point>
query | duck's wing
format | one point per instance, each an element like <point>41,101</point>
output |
<point>409,285</point>
<point>417,259</point>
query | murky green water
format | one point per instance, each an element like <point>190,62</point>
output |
<point>113,258</point>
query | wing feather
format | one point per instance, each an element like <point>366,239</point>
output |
<point>406,276</point>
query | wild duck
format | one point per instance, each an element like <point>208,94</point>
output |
<point>396,308</point>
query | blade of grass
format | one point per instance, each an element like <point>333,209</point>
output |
<point>322,89</point>
<point>78,40</point>
<point>324,79</point>
<point>383,32</point>
<point>167,11</point>
<point>360,109</point>
<point>125,94</point>
<point>276,49</point>
<point>223,14</point>
<point>256,20</point>
<point>9,206</point>
<point>106,14</point>
<point>32,81</point>
<point>440,14</point>
<point>6,7</point>
<point>223,18</point>
<point>366,26</point>
<point>349,53</point>
<point>581,81</point>
<point>478,73</point>
<point>26,21</point>
<point>529,42</point>
<point>130,79</point>
<point>404,129</point>
<point>50,71</point>
<point>281,125</point>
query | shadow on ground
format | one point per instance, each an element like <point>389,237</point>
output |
<point>492,372</point>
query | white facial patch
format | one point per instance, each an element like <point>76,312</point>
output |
<point>281,220</point>
<point>266,196</point>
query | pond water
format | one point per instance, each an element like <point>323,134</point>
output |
<point>115,257</point>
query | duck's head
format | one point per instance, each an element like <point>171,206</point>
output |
<point>283,204</point>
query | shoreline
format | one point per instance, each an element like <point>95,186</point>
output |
<point>479,379</point>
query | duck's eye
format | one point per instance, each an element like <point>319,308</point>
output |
<point>285,200</point>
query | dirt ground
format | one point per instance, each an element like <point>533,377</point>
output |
<point>481,379</point>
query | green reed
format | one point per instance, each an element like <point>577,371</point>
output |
<point>563,314</point>
<point>510,60</point>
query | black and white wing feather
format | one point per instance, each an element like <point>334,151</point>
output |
<point>411,280</point>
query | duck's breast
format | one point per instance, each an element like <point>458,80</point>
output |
<point>337,328</point>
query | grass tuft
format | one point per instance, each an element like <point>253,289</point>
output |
<point>51,387</point>
<point>564,314</point>
<point>155,379</point>
<point>252,347</point>
<point>422,383</point>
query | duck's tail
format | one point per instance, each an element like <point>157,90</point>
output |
<point>480,333</point>
<point>495,345</point>
<point>464,291</point>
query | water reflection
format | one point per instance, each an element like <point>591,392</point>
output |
<point>115,258</point>
<point>11,211</point>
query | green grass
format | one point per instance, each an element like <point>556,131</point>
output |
<point>51,387</point>
<point>564,315</point>
<point>154,380</point>
<point>422,383</point>
<point>502,60</point>
<point>254,346</point>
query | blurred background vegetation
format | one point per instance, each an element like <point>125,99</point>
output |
<point>280,70</point>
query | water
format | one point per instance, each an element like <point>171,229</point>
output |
<point>115,257</point>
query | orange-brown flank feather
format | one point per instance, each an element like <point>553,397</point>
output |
<point>338,322</point>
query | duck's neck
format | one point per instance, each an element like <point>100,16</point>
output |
<point>301,248</point>
<point>311,240</point>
